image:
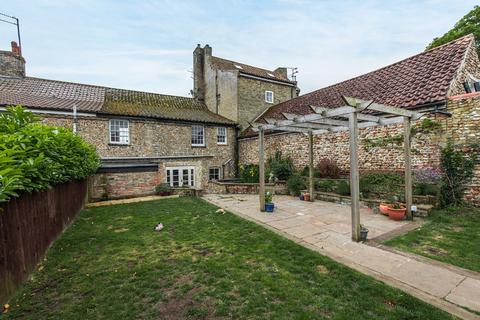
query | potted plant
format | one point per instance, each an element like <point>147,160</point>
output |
<point>269,206</point>
<point>395,209</point>
<point>384,208</point>
<point>306,196</point>
<point>363,233</point>
<point>163,189</point>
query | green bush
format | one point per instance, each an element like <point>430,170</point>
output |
<point>326,185</point>
<point>34,157</point>
<point>380,183</point>
<point>425,189</point>
<point>457,167</point>
<point>343,188</point>
<point>249,173</point>
<point>306,172</point>
<point>295,184</point>
<point>282,168</point>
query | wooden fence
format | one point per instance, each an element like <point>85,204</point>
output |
<point>28,225</point>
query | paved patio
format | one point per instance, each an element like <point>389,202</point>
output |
<point>326,228</point>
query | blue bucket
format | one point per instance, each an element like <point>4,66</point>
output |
<point>269,207</point>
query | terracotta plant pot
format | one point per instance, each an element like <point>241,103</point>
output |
<point>306,197</point>
<point>384,208</point>
<point>396,214</point>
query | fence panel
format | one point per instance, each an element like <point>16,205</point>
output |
<point>29,224</point>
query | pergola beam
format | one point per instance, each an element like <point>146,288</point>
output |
<point>354,178</point>
<point>360,116</point>
<point>261,169</point>
<point>383,108</point>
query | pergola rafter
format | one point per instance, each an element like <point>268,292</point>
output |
<point>357,113</point>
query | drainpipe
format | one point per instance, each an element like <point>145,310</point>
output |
<point>236,156</point>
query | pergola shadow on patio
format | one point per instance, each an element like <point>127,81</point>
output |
<point>360,114</point>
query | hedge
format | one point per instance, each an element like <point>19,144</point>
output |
<point>34,156</point>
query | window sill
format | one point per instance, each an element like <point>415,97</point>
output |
<point>198,146</point>
<point>119,144</point>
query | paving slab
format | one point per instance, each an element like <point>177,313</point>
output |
<point>304,230</point>
<point>466,294</point>
<point>432,279</point>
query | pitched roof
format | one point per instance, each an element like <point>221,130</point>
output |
<point>60,95</point>
<point>146,104</point>
<point>224,64</point>
<point>421,79</point>
<point>42,93</point>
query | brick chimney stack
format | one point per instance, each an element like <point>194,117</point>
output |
<point>12,64</point>
<point>15,48</point>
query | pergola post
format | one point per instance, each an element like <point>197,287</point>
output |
<point>354,180</point>
<point>408,167</point>
<point>310,165</point>
<point>261,169</point>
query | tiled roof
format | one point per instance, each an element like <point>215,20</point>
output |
<point>145,104</point>
<point>422,79</point>
<point>224,64</point>
<point>49,94</point>
<point>59,95</point>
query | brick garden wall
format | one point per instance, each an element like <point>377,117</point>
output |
<point>106,186</point>
<point>463,127</point>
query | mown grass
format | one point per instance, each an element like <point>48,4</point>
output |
<point>451,235</point>
<point>110,264</point>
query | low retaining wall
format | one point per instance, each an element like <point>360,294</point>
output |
<point>229,187</point>
<point>28,225</point>
<point>423,203</point>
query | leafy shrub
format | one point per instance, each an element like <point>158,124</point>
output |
<point>457,167</point>
<point>326,185</point>
<point>380,183</point>
<point>34,157</point>
<point>163,187</point>
<point>268,197</point>
<point>282,168</point>
<point>306,172</point>
<point>295,184</point>
<point>249,173</point>
<point>328,169</point>
<point>343,188</point>
<point>425,189</point>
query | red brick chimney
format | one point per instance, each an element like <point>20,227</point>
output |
<point>16,49</point>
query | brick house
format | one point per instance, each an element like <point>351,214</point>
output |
<point>238,91</point>
<point>442,83</point>
<point>143,138</point>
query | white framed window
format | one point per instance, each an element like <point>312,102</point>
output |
<point>269,96</point>
<point>198,136</point>
<point>119,131</point>
<point>181,176</point>
<point>221,135</point>
<point>214,174</point>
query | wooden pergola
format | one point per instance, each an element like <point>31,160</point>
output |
<point>356,113</point>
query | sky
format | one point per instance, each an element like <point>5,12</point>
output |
<point>148,45</point>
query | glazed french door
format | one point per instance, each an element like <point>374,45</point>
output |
<point>181,176</point>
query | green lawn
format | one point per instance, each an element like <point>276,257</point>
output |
<point>110,264</point>
<point>451,235</point>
